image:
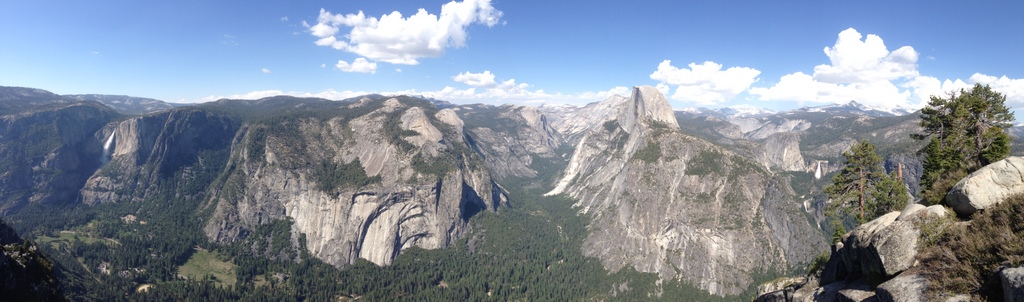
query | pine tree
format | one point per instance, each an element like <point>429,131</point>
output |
<point>890,194</point>
<point>855,182</point>
<point>966,131</point>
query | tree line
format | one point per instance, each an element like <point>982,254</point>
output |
<point>965,131</point>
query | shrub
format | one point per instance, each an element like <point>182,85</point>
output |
<point>650,153</point>
<point>961,258</point>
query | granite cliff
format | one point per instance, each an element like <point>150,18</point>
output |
<point>673,204</point>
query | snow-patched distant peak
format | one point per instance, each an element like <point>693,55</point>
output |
<point>855,107</point>
<point>744,111</point>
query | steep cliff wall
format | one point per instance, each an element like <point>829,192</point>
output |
<point>365,179</point>
<point>47,153</point>
<point>665,202</point>
<point>512,138</point>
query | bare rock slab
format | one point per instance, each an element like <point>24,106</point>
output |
<point>988,186</point>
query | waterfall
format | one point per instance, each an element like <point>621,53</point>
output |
<point>107,149</point>
<point>817,172</point>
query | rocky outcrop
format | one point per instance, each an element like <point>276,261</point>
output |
<point>365,179</point>
<point>903,288</point>
<point>668,203</point>
<point>515,141</point>
<point>47,152</point>
<point>159,148</point>
<point>1013,283</point>
<point>987,186</point>
<point>415,182</point>
<point>880,250</point>
<point>25,273</point>
<point>782,151</point>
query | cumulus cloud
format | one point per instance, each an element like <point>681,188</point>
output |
<point>485,79</point>
<point>358,65</point>
<point>864,70</point>
<point>264,70</point>
<point>397,39</point>
<point>705,83</point>
<point>860,69</point>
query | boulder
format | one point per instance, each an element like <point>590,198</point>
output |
<point>882,247</point>
<point>903,288</point>
<point>784,295</point>
<point>911,209</point>
<point>857,291</point>
<point>988,186</point>
<point>835,268</point>
<point>937,211</point>
<point>780,284</point>
<point>1013,284</point>
<point>829,292</point>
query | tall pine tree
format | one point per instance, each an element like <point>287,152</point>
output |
<point>966,131</point>
<point>852,186</point>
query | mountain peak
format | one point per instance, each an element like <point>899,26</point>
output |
<point>647,104</point>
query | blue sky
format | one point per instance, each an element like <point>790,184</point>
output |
<point>701,54</point>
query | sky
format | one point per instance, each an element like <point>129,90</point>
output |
<point>764,54</point>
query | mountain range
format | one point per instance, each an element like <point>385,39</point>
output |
<point>713,198</point>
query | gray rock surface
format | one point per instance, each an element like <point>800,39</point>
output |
<point>1013,284</point>
<point>903,288</point>
<point>782,151</point>
<point>426,180</point>
<point>516,141</point>
<point>47,151</point>
<point>665,202</point>
<point>882,247</point>
<point>856,292</point>
<point>988,186</point>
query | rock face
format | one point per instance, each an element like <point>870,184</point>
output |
<point>987,186</point>
<point>665,202</point>
<point>782,151</point>
<point>46,153</point>
<point>903,288</point>
<point>1013,283</point>
<point>515,141</point>
<point>365,179</point>
<point>882,249</point>
<point>25,274</point>
<point>149,150</point>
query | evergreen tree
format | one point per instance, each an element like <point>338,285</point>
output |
<point>890,194</point>
<point>855,182</point>
<point>967,131</point>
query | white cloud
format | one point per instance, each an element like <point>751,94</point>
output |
<point>396,39</point>
<point>705,83</point>
<point>264,70</point>
<point>1013,89</point>
<point>865,71</point>
<point>860,69</point>
<point>358,65</point>
<point>485,79</point>
<point>856,61</point>
<point>285,18</point>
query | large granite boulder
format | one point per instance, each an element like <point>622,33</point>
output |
<point>882,247</point>
<point>1013,284</point>
<point>988,186</point>
<point>903,288</point>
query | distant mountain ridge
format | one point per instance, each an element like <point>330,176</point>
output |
<point>852,107</point>
<point>14,99</point>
